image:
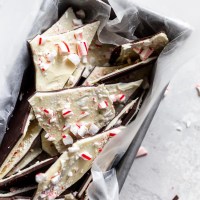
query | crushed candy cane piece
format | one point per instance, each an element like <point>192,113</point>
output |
<point>82,130</point>
<point>82,48</point>
<point>121,97</point>
<point>114,132</point>
<point>41,40</point>
<point>86,156</point>
<point>67,112</point>
<point>51,56</point>
<point>113,98</point>
<point>74,129</point>
<point>146,53</point>
<point>63,48</point>
<point>43,66</point>
<point>70,173</point>
<point>40,177</point>
<point>53,119</point>
<point>141,152</point>
<point>93,129</point>
<point>80,14</point>
<point>77,22</point>
<point>55,179</point>
<point>78,35</point>
<point>65,127</point>
<point>83,114</point>
<point>74,59</point>
<point>137,49</point>
<point>103,105</point>
<point>48,112</point>
<point>100,150</point>
<point>67,139</point>
<point>73,149</point>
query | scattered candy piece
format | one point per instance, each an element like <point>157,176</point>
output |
<point>77,22</point>
<point>141,152</point>
<point>84,59</point>
<point>48,112</point>
<point>179,128</point>
<point>70,173</point>
<point>114,132</point>
<point>82,48</point>
<point>93,129</point>
<point>86,156</point>
<point>83,114</point>
<point>41,40</point>
<point>67,139</point>
<point>44,66</point>
<point>40,177</point>
<point>67,112</point>
<point>65,127</point>
<point>121,97</point>
<point>103,105</point>
<point>82,130</point>
<point>51,56</point>
<point>74,59</point>
<point>55,179</point>
<point>78,35</point>
<point>113,98</point>
<point>146,53</point>
<point>74,129</point>
<point>63,48</point>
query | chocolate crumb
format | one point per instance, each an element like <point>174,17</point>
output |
<point>176,198</point>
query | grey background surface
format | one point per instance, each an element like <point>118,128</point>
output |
<point>172,166</point>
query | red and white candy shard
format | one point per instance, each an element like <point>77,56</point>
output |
<point>146,53</point>
<point>114,132</point>
<point>77,22</point>
<point>137,49</point>
<point>65,127</point>
<point>74,129</point>
<point>78,35</point>
<point>83,114</point>
<point>51,56</point>
<point>103,105</point>
<point>121,97</point>
<point>82,130</point>
<point>113,97</point>
<point>56,178</point>
<point>93,129</point>
<point>63,48</point>
<point>41,40</point>
<point>48,112</point>
<point>74,59</point>
<point>82,48</point>
<point>53,119</point>
<point>43,66</point>
<point>86,156</point>
<point>67,139</point>
<point>141,152</point>
<point>67,112</point>
<point>40,177</point>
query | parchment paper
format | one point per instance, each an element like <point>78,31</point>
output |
<point>130,22</point>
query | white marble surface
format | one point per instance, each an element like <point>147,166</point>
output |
<point>172,166</point>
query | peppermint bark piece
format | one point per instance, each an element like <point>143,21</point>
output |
<point>56,57</point>
<point>30,156</point>
<point>72,113</point>
<point>71,165</point>
<point>31,132</point>
<point>17,191</point>
<point>63,25</point>
<point>142,49</point>
<point>102,74</point>
<point>25,172</point>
